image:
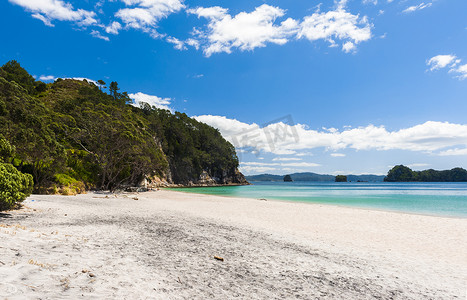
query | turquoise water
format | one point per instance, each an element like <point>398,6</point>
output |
<point>442,199</point>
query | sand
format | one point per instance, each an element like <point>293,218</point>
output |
<point>162,246</point>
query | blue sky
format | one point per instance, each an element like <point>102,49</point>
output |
<point>358,85</point>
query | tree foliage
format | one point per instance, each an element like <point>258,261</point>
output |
<point>72,130</point>
<point>14,185</point>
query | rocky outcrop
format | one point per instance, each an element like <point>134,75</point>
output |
<point>234,177</point>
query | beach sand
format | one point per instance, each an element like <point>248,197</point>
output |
<point>162,246</point>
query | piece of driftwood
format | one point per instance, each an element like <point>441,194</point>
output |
<point>218,258</point>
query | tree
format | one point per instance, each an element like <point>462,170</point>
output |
<point>14,72</point>
<point>6,150</point>
<point>113,89</point>
<point>101,84</point>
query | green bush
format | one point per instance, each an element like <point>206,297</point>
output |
<point>68,185</point>
<point>14,186</point>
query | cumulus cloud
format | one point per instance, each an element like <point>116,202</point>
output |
<point>144,14</point>
<point>247,31</point>
<point>113,28</point>
<point>421,6</point>
<point>448,61</point>
<point>158,102</point>
<point>461,70</point>
<point>442,61</point>
<point>336,25</point>
<point>49,10</point>
<point>280,138</point>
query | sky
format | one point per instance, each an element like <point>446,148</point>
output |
<point>335,87</point>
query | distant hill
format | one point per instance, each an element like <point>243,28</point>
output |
<point>309,176</point>
<point>265,177</point>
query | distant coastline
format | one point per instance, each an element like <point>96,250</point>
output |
<point>399,173</point>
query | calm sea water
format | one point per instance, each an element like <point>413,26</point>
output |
<point>442,199</point>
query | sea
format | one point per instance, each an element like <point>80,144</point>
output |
<point>437,199</point>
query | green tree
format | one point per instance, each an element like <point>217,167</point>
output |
<point>113,89</point>
<point>101,84</point>
<point>14,72</point>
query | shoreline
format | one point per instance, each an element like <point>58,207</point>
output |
<point>321,203</point>
<point>162,244</point>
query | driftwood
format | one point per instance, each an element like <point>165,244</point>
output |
<point>218,258</point>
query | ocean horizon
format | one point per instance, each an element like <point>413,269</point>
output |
<point>447,199</point>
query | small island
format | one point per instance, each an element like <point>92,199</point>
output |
<point>288,178</point>
<point>340,178</point>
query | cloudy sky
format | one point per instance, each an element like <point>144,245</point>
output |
<point>353,86</point>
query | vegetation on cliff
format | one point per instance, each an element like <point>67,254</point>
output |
<point>70,135</point>
<point>402,173</point>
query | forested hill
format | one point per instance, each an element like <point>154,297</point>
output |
<point>71,135</point>
<point>402,173</point>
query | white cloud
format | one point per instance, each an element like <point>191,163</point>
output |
<point>47,77</point>
<point>82,79</point>
<point>462,70</point>
<point>179,45</point>
<point>98,35</point>
<point>337,24</point>
<point>282,138</point>
<point>147,13</point>
<point>113,28</point>
<point>337,154</point>
<point>286,159</point>
<point>450,61</point>
<point>417,165</point>
<point>441,61</point>
<point>348,47</point>
<point>245,31</point>
<point>417,7</point>
<point>158,102</point>
<point>454,152</point>
<point>49,10</point>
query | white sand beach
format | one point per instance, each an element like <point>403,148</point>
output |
<point>162,246</point>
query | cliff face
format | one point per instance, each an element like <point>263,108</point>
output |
<point>229,177</point>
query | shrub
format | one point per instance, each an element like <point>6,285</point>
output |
<point>68,185</point>
<point>14,186</point>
